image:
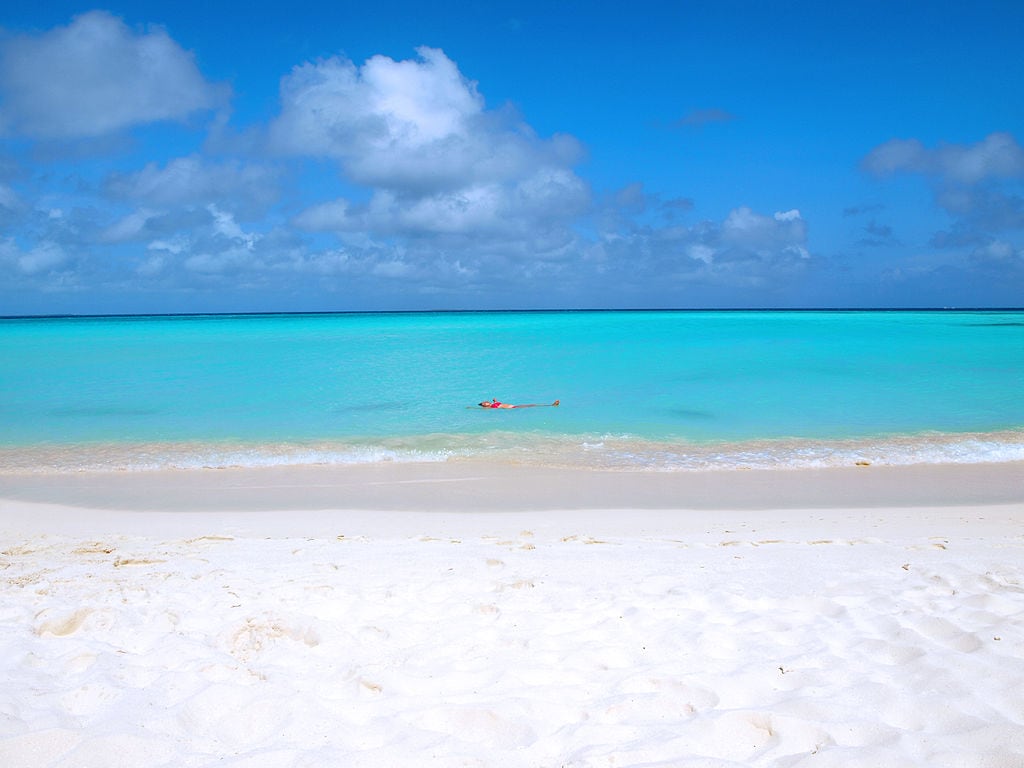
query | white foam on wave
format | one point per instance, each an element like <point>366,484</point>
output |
<point>118,457</point>
<point>623,453</point>
<point>612,452</point>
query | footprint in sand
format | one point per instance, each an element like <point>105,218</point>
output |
<point>61,625</point>
<point>258,634</point>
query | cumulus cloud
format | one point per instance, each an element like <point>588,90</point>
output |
<point>977,184</point>
<point>549,197</point>
<point>438,193</point>
<point>43,257</point>
<point>216,244</point>
<point>996,156</point>
<point>987,208</point>
<point>418,134</point>
<point>416,126</point>
<point>979,187</point>
<point>128,228</point>
<point>785,230</point>
<point>96,76</point>
<point>632,214</point>
<point>746,250</point>
<point>187,180</point>
<point>335,109</point>
<point>999,253</point>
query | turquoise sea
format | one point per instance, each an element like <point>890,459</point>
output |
<point>672,390</point>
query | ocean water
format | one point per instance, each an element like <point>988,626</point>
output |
<point>673,390</point>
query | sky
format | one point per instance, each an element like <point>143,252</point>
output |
<point>342,156</point>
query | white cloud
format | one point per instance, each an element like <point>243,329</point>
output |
<point>213,244</point>
<point>996,156</point>
<point>548,198</point>
<point>747,229</point>
<point>173,247</point>
<point>453,197</point>
<point>896,155</point>
<point>326,217</point>
<point>438,163</point>
<point>475,209</point>
<point>192,179</point>
<point>413,126</point>
<point>335,109</point>
<point>43,258</point>
<point>747,251</point>
<point>128,228</point>
<point>224,225</point>
<point>999,252</point>
<point>96,76</point>
<point>977,184</point>
<point>701,252</point>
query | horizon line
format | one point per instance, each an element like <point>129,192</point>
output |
<point>267,313</point>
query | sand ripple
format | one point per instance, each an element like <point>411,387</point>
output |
<point>526,649</point>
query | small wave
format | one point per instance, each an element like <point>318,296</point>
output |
<point>119,457</point>
<point>803,454</point>
<point>606,452</point>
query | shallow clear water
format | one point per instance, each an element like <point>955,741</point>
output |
<point>667,390</point>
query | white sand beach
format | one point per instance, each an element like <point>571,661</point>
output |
<point>477,615</point>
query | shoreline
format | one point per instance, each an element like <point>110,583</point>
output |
<point>527,449</point>
<point>477,498</point>
<point>485,486</point>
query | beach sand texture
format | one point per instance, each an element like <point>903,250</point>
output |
<point>500,633</point>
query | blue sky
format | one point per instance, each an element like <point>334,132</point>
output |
<point>186,157</point>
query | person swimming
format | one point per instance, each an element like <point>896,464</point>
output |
<point>498,404</point>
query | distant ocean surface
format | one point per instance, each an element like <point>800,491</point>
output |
<point>673,390</point>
